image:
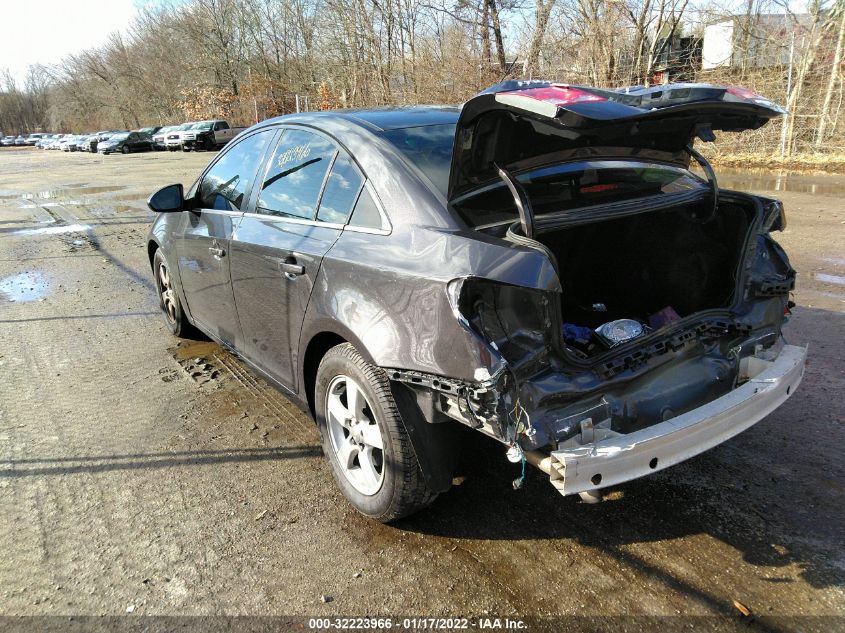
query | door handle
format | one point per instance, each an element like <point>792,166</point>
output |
<point>217,252</point>
<point>291,269</point>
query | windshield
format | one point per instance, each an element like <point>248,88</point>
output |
<point>119,137</point>
<point>205,125</point>
<point>429,147</point>
<point>573,185</point>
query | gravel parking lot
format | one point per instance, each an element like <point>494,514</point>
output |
<point>141,475</point>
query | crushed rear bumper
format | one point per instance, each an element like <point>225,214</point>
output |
<point>618,459</point>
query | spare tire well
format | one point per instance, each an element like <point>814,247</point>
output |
<point>317,348</point>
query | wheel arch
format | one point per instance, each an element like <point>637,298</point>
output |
<point>320,341</point>
<point>152,247</point>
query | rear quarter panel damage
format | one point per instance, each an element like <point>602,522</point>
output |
<point>390,292</point>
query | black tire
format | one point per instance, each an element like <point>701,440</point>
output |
<point>125,149</point>
<point>209,145</point>
<point>171,306</point>
<point>403,489</point>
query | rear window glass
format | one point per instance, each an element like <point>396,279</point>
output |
<point>564,187</point>
<point>429,148</point>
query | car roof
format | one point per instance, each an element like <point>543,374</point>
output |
<point>379,119</point>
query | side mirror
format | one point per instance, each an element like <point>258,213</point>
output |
<point>167,199</point>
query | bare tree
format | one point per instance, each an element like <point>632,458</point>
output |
<point>837,15</point>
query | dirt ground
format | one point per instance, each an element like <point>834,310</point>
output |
<point>141,475</point>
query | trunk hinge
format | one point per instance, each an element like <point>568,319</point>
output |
<point>520,199</point>
<point>711,177</point>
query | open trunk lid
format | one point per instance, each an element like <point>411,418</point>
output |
<point>522,124</point>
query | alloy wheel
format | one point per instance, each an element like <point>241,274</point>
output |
<point>168,295</point>
<point>355,436</point>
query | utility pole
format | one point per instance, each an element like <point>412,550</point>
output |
<point>784,127</point>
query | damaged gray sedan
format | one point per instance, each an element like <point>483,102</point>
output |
<point>541,265</point>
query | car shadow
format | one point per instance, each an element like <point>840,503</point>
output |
<point>18,468</point>
<point>774,493</point>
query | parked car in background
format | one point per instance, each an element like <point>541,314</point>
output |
<point>20,141</point>
<point>95,139</point>
<point>82,143</point>
<point>159,137</point>
<point>85,144</point>
<point>69,143</point>
<point>600,309</point>
<point>126,142</point>
<point>33,138</point>
<point>8,141</point>
<point>150,131</point>
<point>56,142</point>
<point>208,135</point>
<point>173,139</point>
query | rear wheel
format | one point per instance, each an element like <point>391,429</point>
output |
<point>365,439</point>
<point>168,298</point>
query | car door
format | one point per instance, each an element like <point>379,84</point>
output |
<point>221,132</point>
<point>298,210</point>
<point>217,202</point>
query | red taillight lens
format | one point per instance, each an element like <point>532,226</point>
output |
<point>558,95</point>
<point>744,93</point>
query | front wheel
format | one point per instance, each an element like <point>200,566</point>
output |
<point>168,298</point>
<point>365,439</point>
<point>125,149</point>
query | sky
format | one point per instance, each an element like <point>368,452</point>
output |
<point>45,31</point>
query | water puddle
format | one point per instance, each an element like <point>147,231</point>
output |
<point>24,287</point>
<point>54,230</point>
<point>187,350</point>
<point>739,180</point>
<point>70,192</point>
<point>839,280</point>
<point>839,261</point>
<point>111,209</point>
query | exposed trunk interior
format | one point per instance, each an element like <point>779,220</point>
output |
<point>634,267</point>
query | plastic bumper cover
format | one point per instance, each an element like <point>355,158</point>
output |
<point>623,458</point>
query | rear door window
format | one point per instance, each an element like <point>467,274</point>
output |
<point>341,191</point>
<point>295,176</point>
